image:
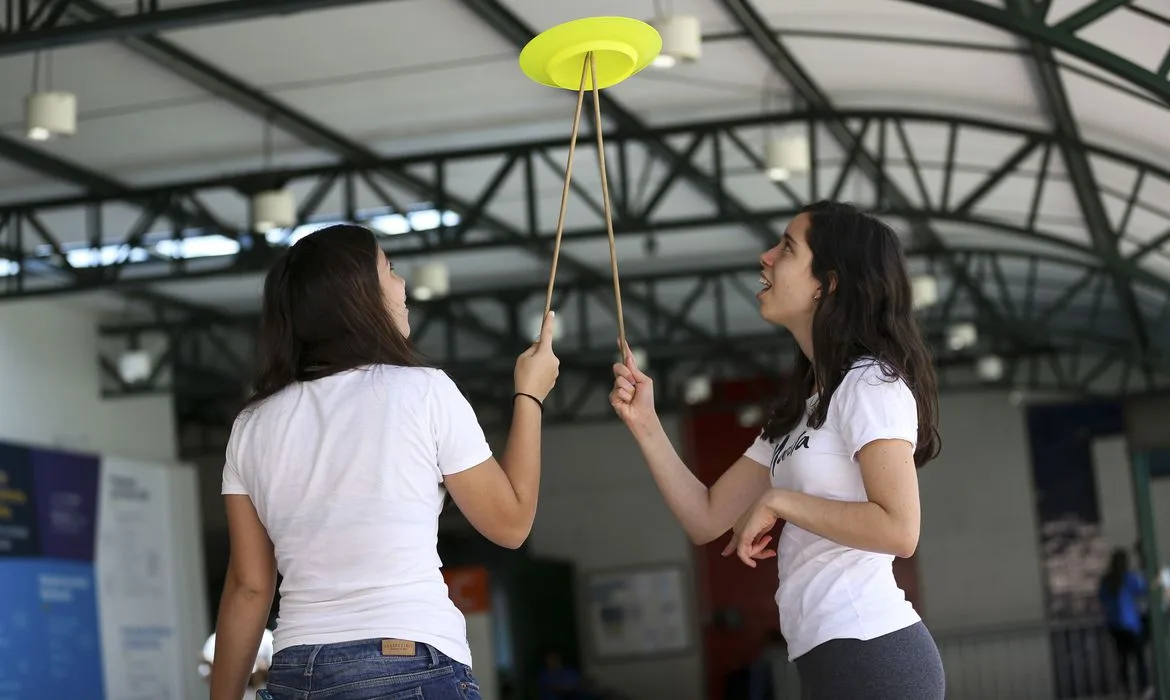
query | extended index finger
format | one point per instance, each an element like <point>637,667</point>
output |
<point>546,330</point>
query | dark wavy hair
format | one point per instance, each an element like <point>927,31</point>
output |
<point>324,312</point>
<point>868,313</point>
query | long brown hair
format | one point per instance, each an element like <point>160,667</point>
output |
<point>324,312</point>
<point>869,314</point>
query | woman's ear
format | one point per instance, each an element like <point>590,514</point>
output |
<point>832,282</point>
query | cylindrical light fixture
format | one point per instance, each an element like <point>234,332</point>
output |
<point>682,40</point>
<point>697,389</point>
<point>989,368</point>
<point>273,209</point>
<point>750,416</point>
<point>924,291</point>
<point>134,366</point>
<point>786,156</point>
<point>431,281</point>
<point>49,114</point>
<point>962,335</point>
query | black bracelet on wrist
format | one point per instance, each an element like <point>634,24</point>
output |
<point>538,401</point>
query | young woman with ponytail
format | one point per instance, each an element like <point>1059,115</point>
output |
<point>335,476</point>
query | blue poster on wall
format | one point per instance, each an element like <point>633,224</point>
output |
<point>49,625</point>
<point>18,534</point>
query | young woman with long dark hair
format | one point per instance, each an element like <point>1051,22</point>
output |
<point>836,461</point>
<point>335,476</point>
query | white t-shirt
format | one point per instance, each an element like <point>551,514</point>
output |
<point>829,591</point>
<point>346,474</point>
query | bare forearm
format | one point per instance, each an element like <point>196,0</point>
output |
<point>521,459</point>
<point>243,613</point>
<point>684,494</point>
<point>861,525</point>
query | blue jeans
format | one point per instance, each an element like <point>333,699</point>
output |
<point>361,671</point>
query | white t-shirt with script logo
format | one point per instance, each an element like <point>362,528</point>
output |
<point>829,591</point>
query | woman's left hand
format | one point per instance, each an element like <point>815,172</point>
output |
<point>750,538</point>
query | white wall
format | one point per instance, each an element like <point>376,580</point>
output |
<point>50,388</point>
<point>600,508</point>
<point>979,559</point>
<point>50,396</point>
<point>187,535</point>
<point>1115,497</point>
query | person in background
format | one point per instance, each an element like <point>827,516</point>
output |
<point>259,676</point>
<point>557,681</point>
<point>836,462</point>
<point>335,475</point>
<point>1122,592</point>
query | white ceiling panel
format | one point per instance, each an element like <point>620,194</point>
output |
<point>410,105</point>
<point>1130,35</point>
<point>882,18</point>
<point>891,75</point>
<point>731,74</point>
<point>107,79</point>
<point>164,137</point>
<point>543,14</point>
<point>234,293</point>
<point>335,44</point>
<point>1115,118</point>
<point>19,184</point>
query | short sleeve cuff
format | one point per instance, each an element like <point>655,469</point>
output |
<point>760,452</point>
<point>872,434</point>
<point>460,441</point>
<point>467,461</point>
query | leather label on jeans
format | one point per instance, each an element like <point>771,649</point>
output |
<point>397,647</point>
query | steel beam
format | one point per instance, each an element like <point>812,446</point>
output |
<point>336,174</point>
<point>1074,299</point>
<point>1075,353</point>
<point>29,33</point>
<point>41,162</point>
<point>1084,182</point>
<point>1035,28</point>
<point>25,237</point>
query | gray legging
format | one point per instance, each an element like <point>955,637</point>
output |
<point>902,665</point>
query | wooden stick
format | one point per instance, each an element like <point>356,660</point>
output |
<point>565,194</point>
<point>617,289</point>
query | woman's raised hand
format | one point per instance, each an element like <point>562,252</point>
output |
<point>633,394</point>
<point>537,368</point>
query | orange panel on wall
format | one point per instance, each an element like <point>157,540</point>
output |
<point>468,588</point>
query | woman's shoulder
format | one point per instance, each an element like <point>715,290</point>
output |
<point>870,379</point>
<point>422,374</point>
<point>871,371</point>
<point>431,381</point>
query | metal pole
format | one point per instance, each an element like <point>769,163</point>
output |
<point>1143,507</point>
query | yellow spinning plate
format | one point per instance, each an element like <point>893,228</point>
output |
<point>620,45</point>
<point>597,52</point>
